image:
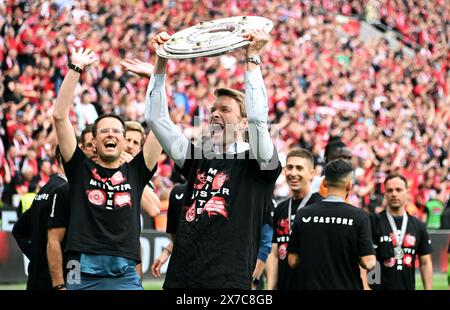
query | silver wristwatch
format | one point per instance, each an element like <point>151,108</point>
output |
<point>255,59</point>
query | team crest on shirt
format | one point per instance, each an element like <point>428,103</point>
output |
<point>409,241</point>
<point>117,178</point>
<point>97,177</point>
<point>112,192</point>
<point>283,227</point>
<point>407,260</point>
<point>209,194</point>
<point>282,251</point>
<point>122,199</point>
<point>96,197</point>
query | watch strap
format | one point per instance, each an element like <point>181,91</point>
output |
<point>58,287</point>
<point>74,67</point>
<point>255,59</point>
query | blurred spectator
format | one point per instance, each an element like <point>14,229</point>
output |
<point>434,210</point>
<point>85,110</point>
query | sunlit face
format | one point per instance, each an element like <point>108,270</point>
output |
<point>225,122</point>
<point>396,193</point>
<point>134,141</point>
<point>88,146</point>
<point>110,139</point>
<point>299,173</point>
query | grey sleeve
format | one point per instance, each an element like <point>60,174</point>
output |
<point>174,143</point>
<point>256,105</point>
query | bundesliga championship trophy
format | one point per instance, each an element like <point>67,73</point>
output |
<point>212,38</point>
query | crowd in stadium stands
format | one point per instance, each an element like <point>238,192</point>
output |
<point>391,109</point>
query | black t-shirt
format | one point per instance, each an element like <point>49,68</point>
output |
<point>281,237</point>
<point>60,213</point>
<point>220,225</point>
<point>31,234</point>
<point>105,206</point>
<point>176,203</point>
<point>398,274</point>
<point>329,238</point>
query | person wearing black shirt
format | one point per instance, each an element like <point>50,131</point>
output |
<point>330,239</point>
<point>57,224</point>
<point>230,181</point>
<point>299,171</point>
<point>104,230</point>
<point>86,142</point>
<point>176,203</point>
<point>30,230</point>
<point>398,238</point>
<point>58,220</point>
<point>265,246</point>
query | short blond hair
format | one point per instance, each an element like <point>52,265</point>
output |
<point>135,126</point>
<point>236,95</point>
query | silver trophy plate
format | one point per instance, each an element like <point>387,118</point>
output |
<point>212,38</point>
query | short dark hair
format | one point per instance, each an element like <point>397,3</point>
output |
<point>58,156</point>
<point>300,152</point>
<point>117,117</point>
<point>88,129</point>
<point>396,175</point>
<point>332,147</point>
<point>336,171</point>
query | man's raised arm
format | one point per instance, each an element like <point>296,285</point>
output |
<point>256,102</point>
<point>64,131</point>
<point>174,143</point>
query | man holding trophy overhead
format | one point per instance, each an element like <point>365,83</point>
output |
<point>230,178</point>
